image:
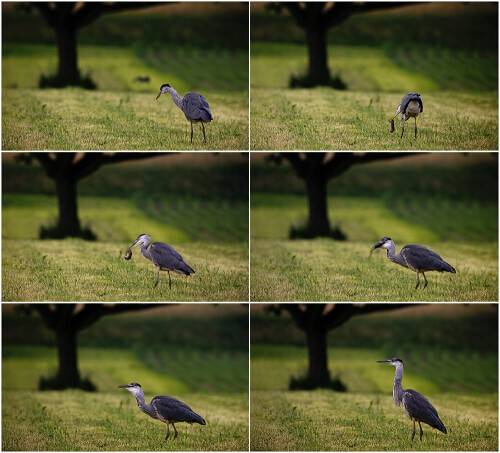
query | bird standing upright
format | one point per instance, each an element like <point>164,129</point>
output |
<point>411,106</point>
<point>163,256</point>
<point>416,406</point>
<point>414,257</point>
<point>194,106</point>
<point>164,408</point>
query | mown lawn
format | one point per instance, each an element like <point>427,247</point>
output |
<point>415,200</point>
<point>450,355</point>
<point>123,114</point>
<point>210,374</point>
<point>77,270</point>
<point>377,78</point>
<point>329,421</point>
<point>327,270</point>
<point>110,419</point>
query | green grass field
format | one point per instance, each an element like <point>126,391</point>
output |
<point>122,114</point>
<point>379,56</point>
<point>461,228</point>
<point>119,350</point>
<point>76,270</point>
<point>209,228</point>
<point>440,362</point>
<point>325,119</point>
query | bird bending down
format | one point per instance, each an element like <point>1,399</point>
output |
<point>164,408</point>
<point>194,106</point>
<point>410,107</point>
<point>414,257</point>
<point>416,406</point>
<point>163,256</point>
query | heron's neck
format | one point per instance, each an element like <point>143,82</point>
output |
<point>146,253</point>
<point>397,389</point>
<point>175,97</point>
<point>141,402</point>
<point>391,254</point>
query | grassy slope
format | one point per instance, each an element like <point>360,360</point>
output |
<point>324,270</point>
<point>77,270</point>
<point>74,420</point>
<point>378,69</point>
<point>122,114</point>
<point>325,119</point>
<point>209,374</point>
<point>370,202</point>
<point>441,362</point>
<point>328,421</point>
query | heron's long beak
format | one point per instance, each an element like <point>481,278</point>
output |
<point>383,361</point>
<point>376,246</point>
<point>133,245</point>
<point>123,386</point>
<point>161,92</point>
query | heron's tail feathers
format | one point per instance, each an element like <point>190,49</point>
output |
<point>438,424</point>
<point>197,419</point>
<point>448,268</point>
<point>184,269</point>
<point>206,115</point>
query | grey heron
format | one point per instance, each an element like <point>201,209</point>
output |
<point>163,256</point>
<point>414,257</point>
<point>164,408</point>
<point>416,406</point>
<point>194,106</point>
<point>411,106</point>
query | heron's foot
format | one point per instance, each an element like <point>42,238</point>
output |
<point>418,284</point>
<point>175,435</point>
<point>167,436</point>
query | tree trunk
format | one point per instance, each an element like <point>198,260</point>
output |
<point>317,49</point>
<point>318,362</point>
<point>66,46</point>
<point>318,212</point>
<point>68,210</point>
<point>68,363</point>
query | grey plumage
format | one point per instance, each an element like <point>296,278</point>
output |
<point>163,256</point>
<point>164,408</point>
<point>415,257</point>
<point>411,106</point>
<point>194,106</point>
<point>416,406</point>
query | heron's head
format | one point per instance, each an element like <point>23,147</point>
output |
<point>163,89</point>
<point>394,361</point>
<point>383,243</point>
<point>133,388</point>
<point>141,239</point>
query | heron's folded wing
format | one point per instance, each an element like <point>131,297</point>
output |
<point>196,107</point>
<point>169,258</point>
<point>172,409</point>
<point>423,258</point>
<point>419,407</point>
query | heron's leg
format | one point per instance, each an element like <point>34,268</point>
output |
<point>425,286</point>
<point>168,431</point>
<point>191,132</point>
<point>175,436</point>
<point>403,131</point>
<point>203,126</point>
<point>157,275</point>
<point>418,281</point>
<point>421,431</point>
<point>169,287</point>
<point>415,127</point>
<point>413,435</point>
